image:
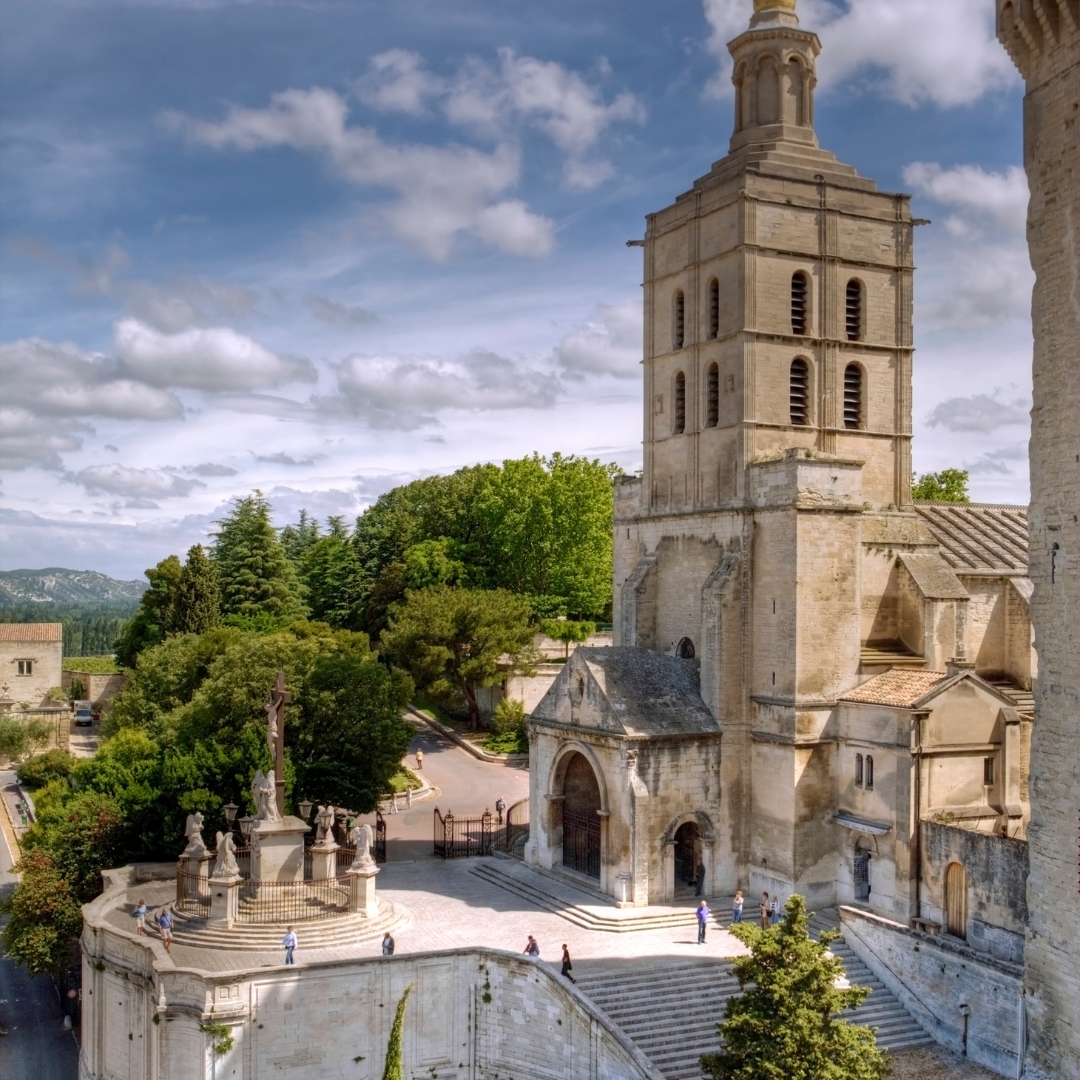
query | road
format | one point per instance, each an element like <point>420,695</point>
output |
<point>34,1045</point>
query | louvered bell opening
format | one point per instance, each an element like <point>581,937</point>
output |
<point>800,393</point>
<point>680,403</point>
<point>798,304</point>
<point>714,308</point>
<point>680,320</point>
<point>712,401</point>
<point>854,311</point>
<point>852,396</point>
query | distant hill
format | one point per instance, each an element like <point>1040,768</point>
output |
<point>78,588</point>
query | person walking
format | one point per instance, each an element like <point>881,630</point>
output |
<point>289,943</point>
<point>774,910</point>
<point>699,879</point>
<point>763,911</point>
<point>702,921</point>
<point>419,759</point>
<point>140,917</point>
<point>531,949</point>
<point>500,808</point>
<point>567,967</point>
<point>736,907</point>
<point>165,926</point>
<point>388,944</point>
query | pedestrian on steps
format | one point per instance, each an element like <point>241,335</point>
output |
<point>388,944</point>
<point>774,910</point>
<point>165,924</point>
<point>763,911</point>
<point>702,921</point>
<point>736,907</point>
<point>532,950</point>
<point>289,943</point>
<point>140,917</point>
<point>567,967</point>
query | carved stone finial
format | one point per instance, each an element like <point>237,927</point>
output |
<point>764,5</point>
<point>362,837</point>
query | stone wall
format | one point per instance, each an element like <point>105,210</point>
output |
<point>99,689</point>
<point>934,977</point>
<point>47,658</point>
<point>473,1014</point>
<point>1044,41</point>
<point>997,870</point>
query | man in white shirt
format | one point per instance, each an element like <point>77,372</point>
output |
<point>289,942</point>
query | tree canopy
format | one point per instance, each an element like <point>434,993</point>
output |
<point>949,485</point>
<point>783,1025</point>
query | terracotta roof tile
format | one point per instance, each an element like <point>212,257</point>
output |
<point>899,688</point>
<point>33,631</point>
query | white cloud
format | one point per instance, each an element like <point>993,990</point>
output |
<point>980,412</point>
<point>999,198</point>
<point>281,458</point>
<point>397,82</point>
<point>28,441</point>
<point>334,314</point>
<point>609,343</point>
<point>134,483</point>
<point>209,468</point>
<point>212,359</point>
<point>408,392</point>
<point>179,305</point>
<point>916,52</point>
<point>442,191</point>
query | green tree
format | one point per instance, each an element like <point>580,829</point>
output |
<point>256,576</point>
<point>349,737</point>
<point>37,771</point>
<point>333,576</point>
<point>567,631</point>
<point>44,918</point>
<point>435,562</point>
<point>949,485</point>
<point>152,621</point>
<point>783,1025</point>
<point>393,1070</point>
<point>296,539</point>
<point>453,639</point>
<point>198,596</point>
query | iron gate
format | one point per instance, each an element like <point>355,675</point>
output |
<point>581,842</point>
<point>458,838</point>
<point>380,838</point>
<point>862,875</point>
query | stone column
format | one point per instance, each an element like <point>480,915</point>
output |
<point>277,850</point>
<point>195,886</point>
<point>362,890</point>
<point>324,861</point>
<point>224,900</point>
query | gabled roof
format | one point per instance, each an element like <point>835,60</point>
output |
<point>979,536</point>
<point>630,690</point>
<point>902,688</point>
<point>33,631</point>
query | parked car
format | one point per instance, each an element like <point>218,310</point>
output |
<point>84,713</point>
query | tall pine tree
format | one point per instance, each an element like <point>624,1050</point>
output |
<point>198,596</point>
<point>154,618</point>
<point>256,575</point>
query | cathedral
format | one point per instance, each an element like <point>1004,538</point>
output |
<point>805,664</point>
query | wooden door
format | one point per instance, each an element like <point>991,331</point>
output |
<point>956,890</point>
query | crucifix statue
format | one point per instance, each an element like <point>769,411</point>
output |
<point>275,735</point>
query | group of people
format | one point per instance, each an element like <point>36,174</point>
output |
<point>768,909</point>
<point>164,920</point>
<point>532,950</point>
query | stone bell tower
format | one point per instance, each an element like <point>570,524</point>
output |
<point>777,299</point>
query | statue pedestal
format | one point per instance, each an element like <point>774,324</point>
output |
<point>224,900</point>
<point>362,891</point>
<point>277,850</point>
<point>196,868</point>
<point>324,861</point>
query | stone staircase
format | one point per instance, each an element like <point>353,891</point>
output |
<point>671,1010</point>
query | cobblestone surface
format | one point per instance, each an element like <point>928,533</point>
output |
<point>937,1063</point>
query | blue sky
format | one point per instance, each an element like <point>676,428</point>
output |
<point>324,248</point>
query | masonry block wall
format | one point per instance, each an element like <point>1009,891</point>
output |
<point>1043,39</point>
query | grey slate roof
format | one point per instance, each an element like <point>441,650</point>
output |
<point>979,536</point>
<point>645,693</point>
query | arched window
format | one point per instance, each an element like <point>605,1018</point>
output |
<point>800,284</point>
<point>800,392</point>
<point>854,310</point>
<point>858,770</point>
<point>712,395</point>
<point>680,403</point>
<point>853,396</point>
<point>685,649</point>
<point>714,308</point>
<point>956,890</point>
<point>678,330</point>
<point>869,773</point>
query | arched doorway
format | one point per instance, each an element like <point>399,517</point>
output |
<point>581,819</point>
<point>685,649</point>
<point>956,890</point>
<point>687,857</point>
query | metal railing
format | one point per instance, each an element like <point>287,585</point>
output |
<point>460,838</point>
<point>514,828</point>
<point>292,901</point>
<point>192,894</point>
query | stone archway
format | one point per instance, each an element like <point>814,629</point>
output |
<point>687,857</point>
<point>581,806</point>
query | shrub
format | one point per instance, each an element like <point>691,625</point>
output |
<point>44,917</point>
<point>508,717</point>
<point>37,771</point>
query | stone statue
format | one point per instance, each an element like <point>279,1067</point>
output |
<point>271,708</point>
<point>324,825</point>
<point>264,794</point>
<point>196,846</point>
<point>225,865</point>
<point>362,837</point>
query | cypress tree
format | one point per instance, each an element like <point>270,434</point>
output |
<point>198,598</point>
<point>256,576</point>
<point>392,1070</point>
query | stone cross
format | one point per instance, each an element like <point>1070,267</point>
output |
<point>275,735</point>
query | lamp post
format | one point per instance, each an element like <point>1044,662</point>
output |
<point>305,808</point>
<point>245,827</point>
<point>229,810</point>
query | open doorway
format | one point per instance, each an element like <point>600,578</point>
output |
<point>688,854</point>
